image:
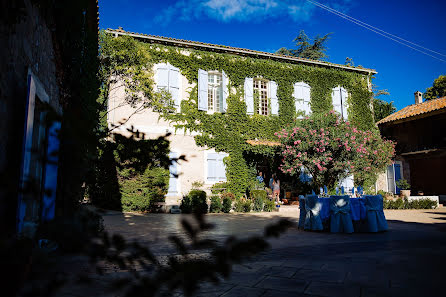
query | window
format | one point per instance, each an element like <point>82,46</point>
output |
<point>212,90</point>
<point>173,189</point>
<point>393,175</point>
<point>261,88</point>
<point>302,97</point>
<point>216,169</point>
<point>339,98</point>
<point>168,78</point>
<point>215,92</point>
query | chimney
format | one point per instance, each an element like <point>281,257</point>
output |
<point>418,97</point>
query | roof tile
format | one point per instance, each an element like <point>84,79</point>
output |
<point>415,110</point>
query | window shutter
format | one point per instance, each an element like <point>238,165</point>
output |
<point>174,85</point>
<point>225,81</point>
<point>221,167</point>
<point>336,99</point>
<point>302,97</point>
<point>173,175</point>
<point>50,179</point>
<point>274,100</point>
<point>344,96</point>
<point>212,167</point>
<point>162,76</point>
<point>306,90</point>
<point>249,95</point>
<point>202,90</point>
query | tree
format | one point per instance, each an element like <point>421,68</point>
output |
<point>306,49</point>
<point>437,90</point>
<point>381,108</point>
<point>331,149</point>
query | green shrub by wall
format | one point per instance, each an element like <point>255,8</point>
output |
<point>269,206</point>
<point>406,204</point>
<point>216,204</point>
<point>198,202</point>
<point>227,204</point>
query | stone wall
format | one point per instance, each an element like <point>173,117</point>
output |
<point>27,45</point>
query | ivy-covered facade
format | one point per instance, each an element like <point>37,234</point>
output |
<point>229,102</point>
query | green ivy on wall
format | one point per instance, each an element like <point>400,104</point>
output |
<point>229,131</point>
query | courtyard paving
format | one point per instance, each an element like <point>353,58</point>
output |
<point>408,260</point>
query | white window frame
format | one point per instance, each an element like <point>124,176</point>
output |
<point>268,95</point>
<point>213,89</point>
<point>169,87</point>
<point>394,181</point>
<point>303,102</point>
<point>206,174</point>
<point>178,181</point>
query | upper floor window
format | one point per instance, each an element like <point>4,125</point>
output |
<point>167,77</point>
<point>339,97</point>
<point>215,92</point>
<point>212,90</point>
<point>261,88</point>
<point>302,97</point>
<point>267,95</point>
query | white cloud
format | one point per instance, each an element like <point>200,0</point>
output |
<point>244,10</point>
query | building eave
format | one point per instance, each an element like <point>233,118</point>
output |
<point>236,51</point>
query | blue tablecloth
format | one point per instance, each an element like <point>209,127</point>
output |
<point>357,208</point>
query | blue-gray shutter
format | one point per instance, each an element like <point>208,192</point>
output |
<point>212,166</point>
<point>274,100</point>
<point>173,175</point>
<point>162,76</point>
<point>221,168</point>
<point>344,96</point>
<point>202,90</point>
<point>50,178</point>
<point>249,95</point>
<point>336,100</point>
<point>174,85</point>
<point>225,90</point>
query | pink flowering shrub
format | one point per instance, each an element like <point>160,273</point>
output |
<point>330,149</point>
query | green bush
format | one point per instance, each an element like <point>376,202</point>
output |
<point>258,194</point>
<point>227,204</point>
<point>219,187</point>
<point>238,205</point>
<point>186,204</point>
<point>216,204</point>
<point>229,195</point>
<point>258,203</point>
<point>247,205</point>
<point>141,192</point>
<point>403,184</point>
<point>269,206</point>
<point>198,200</point>
<point>406,204</point>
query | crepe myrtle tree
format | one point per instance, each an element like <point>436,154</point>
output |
<point>330,149</point>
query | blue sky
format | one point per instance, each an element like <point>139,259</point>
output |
<point>267,25</point>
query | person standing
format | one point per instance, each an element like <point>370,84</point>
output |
<point>276,189</point>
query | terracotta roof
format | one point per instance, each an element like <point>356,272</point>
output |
<point>235,50</point>
<point>417,110</point>
<point>263,142</point>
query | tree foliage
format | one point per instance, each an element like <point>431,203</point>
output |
<point>330,149</point>
<point>306,48</point>
<point>437,90</point>
<point>381,108</point>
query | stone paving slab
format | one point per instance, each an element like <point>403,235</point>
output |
<point>284,284</point>
<point>241,291</point>
<point>332,289</point>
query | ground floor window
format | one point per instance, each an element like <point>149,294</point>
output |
<point>173,175</point>
<point>393,175</point>
<point>215,167</point>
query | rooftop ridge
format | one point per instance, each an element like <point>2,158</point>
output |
<point>237,50</point>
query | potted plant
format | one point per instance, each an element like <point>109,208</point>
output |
<point>404,186</point>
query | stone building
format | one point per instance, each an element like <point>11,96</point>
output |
<point>205,163</point>
<point>420,136</point>
<point>33,75</point>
